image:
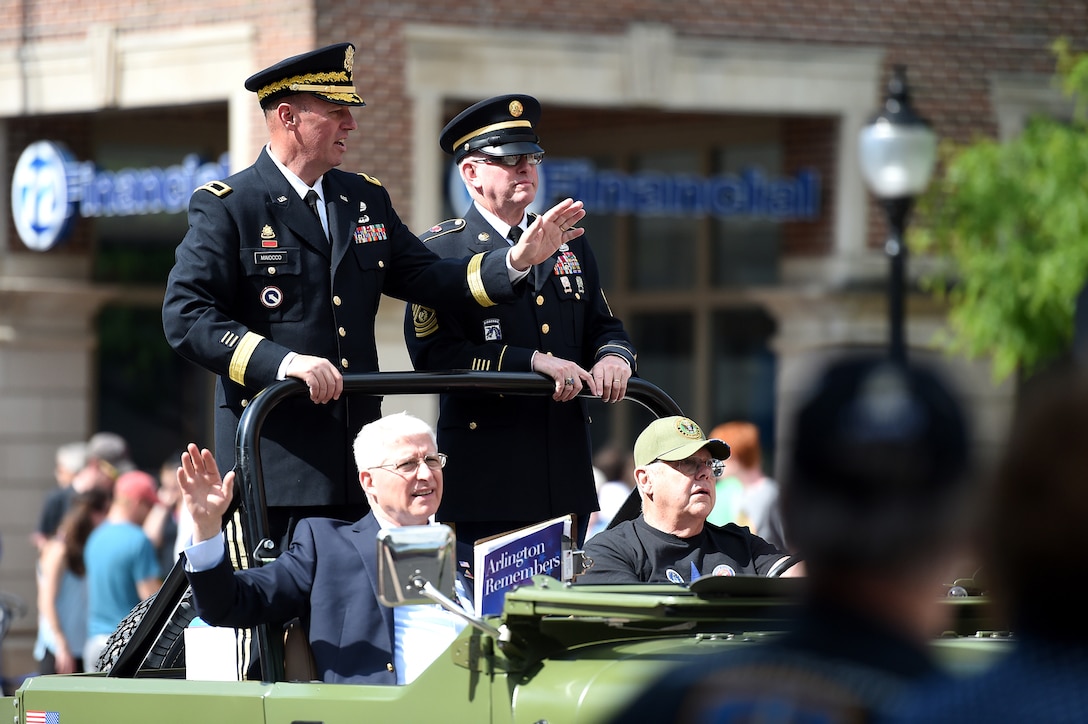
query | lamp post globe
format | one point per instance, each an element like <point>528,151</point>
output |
<point>897,150</point>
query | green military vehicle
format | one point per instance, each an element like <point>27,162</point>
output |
<point>557,652</point>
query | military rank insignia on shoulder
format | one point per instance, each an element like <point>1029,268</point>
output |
<point>218,188</point>
<point>371,179</point>
<point>444,227</point>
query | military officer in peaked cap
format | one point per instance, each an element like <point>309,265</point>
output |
<point>280,274</point>
<point>516,460</point>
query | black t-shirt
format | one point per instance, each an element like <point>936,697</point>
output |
<point>635,552</point>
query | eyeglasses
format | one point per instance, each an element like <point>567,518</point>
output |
<point>692,466</point>
<point>409,466</point>
<point>512,159</point>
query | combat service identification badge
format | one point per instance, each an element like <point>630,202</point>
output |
<point>271,297</point>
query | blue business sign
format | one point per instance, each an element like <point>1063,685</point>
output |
<point>50,187</point>
<point>749,194</point>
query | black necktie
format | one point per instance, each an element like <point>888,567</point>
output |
<point>514,234</point>
<point>311,200</point>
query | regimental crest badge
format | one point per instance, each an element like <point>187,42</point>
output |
<point>688,428</point>
<point>268,237</point>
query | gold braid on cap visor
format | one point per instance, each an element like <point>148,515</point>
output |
<point>491,128</point>
<point>310,83</point>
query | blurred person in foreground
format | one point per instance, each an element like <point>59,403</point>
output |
<point>1032,539</point>
<point>675,469</point>
<point>875,498</point>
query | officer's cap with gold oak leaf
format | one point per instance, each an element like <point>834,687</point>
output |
<point>325,73</point>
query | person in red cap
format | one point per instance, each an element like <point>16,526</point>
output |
<point>280,275</point>
<point>122,568</point>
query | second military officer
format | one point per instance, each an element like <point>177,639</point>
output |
<point>516,461</point>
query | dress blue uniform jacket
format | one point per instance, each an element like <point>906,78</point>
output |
<point>328,578</point>
<point>255,277</point>
<point>515,458</point>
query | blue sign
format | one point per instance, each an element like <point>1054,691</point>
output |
<point>749,194</point>
<point>49,187</point>
<point>40,203</point>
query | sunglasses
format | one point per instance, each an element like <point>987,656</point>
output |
<point>512,159</point>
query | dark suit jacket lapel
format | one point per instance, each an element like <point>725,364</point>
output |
<point>366,542</point>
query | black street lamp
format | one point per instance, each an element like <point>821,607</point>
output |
<point>898,150</point>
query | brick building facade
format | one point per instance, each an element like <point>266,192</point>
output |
<point>729,313</point>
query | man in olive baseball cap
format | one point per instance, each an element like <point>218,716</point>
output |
<point>675,438</point>
<point>676,467</point>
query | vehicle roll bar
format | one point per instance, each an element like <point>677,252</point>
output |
<point>250,487</point>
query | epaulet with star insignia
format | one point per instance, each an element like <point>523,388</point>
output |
<point>444,227</point>
<point>371,179</point>
<point>218,188</point>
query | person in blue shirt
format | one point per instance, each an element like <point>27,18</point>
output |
<point>122,566</point>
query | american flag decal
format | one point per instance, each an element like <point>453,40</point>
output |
<point>43,717</point>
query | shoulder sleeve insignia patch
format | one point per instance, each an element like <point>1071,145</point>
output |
<point>371,179</point>
<point>218,188</point>
<point>444,227</point>
<point>425,320</point>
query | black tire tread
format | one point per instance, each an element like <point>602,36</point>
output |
<point>168,651</point>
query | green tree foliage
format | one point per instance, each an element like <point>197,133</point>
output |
<point>1013,220</point>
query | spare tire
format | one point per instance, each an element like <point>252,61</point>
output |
<point>168,652</point>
